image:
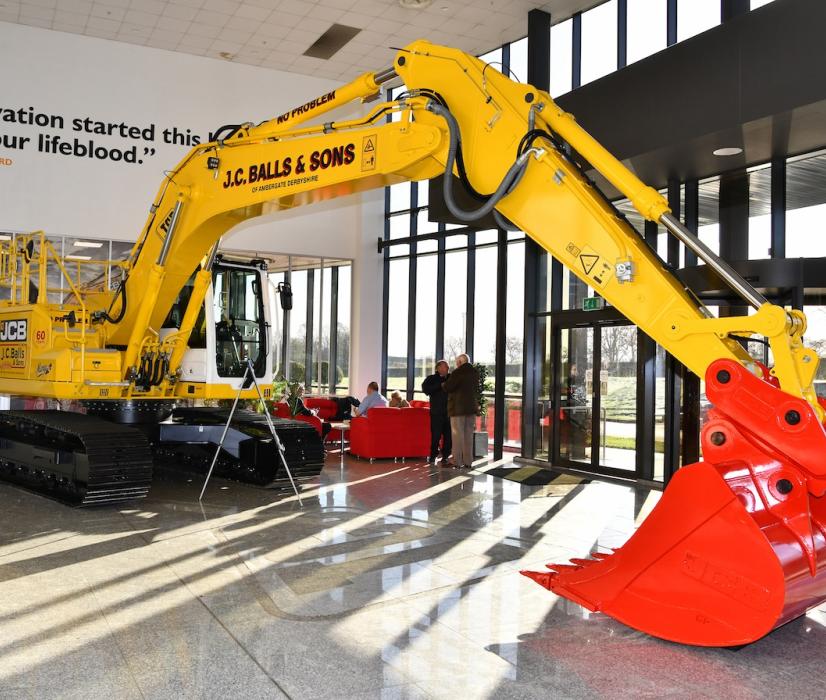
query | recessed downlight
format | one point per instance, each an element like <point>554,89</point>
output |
<point>728,151</point>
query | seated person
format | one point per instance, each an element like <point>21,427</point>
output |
<point>345,406</point>
<point>302,410</point>
<point>373,398</point>
<point>396,401</point>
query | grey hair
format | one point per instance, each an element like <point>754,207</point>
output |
<point>465,357</point>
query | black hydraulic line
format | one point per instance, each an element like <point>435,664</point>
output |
<point>504,186</point>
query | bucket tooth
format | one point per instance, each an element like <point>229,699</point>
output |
<point>543,578</point>
<point>559,568</point>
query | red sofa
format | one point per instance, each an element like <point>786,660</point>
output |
<point>327,408</point>
<point>391,432</point>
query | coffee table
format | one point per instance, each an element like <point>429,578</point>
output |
<point>342,427</point>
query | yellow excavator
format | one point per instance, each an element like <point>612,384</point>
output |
<point>737,544</point>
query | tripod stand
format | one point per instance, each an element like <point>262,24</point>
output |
<point>250,373</point>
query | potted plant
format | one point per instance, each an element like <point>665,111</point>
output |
<point>480,439</point>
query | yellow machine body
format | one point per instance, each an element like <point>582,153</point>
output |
<point>282,163</point>
<point>749,542</point>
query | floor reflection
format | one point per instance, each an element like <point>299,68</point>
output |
<point>396,580</point>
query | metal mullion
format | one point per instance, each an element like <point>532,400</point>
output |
<point>671,23</point>
<point>385,293</point>
<point>778,207</point>
<point>673,256</point>
<point>556,388</point>
<point>646,405</point>
<point>576,50</point>
<point>285,330</point>
<point>411,299</point>
<point>411,322</point>
<point>320,358</point>
<point>332,363</point>
<point>622,33</point>
<point>470,295</point>
<point>501,330</point>
<point>690,419</point>
<point>506,58</point>
<point>308,336</point>
<point>596,398</point>
<point>441,263</point>
<point>673,390</point>
<point>539,75</point>
<point>730,9</point>
<point>691,216</point>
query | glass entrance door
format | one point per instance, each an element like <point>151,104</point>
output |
<point>618,397</point>
<point>576,409</point>
<point>595,386</point>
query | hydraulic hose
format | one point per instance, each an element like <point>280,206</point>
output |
<point>508,181</point>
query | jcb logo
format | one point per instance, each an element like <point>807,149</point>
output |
<point>13,331</point>
<point>163,227</point>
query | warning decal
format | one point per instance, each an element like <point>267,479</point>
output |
<point>596,268</point>
<point>588,262</point>
<point>368,152</point>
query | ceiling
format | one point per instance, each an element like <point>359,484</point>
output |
<point>275,33</point>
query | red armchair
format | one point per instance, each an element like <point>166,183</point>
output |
<point>282,410</point>
<point>327,409</point>
<point>391,432</point>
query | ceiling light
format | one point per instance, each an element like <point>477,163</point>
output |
<point>78,257</point>
<point>88,244</point>
<point>733,151</point>
<point>415,4</point>
<point>4,237</point>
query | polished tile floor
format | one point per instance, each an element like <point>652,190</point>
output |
<point>396,580</point>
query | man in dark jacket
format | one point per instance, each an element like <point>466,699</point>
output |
<point>462,406</point>
<point>439,420</point>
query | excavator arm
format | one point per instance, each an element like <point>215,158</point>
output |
<point>453,102</point>
<point>737,544</point>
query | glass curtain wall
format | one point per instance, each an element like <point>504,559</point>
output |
<point>318,325</point>
<point>442,291</point>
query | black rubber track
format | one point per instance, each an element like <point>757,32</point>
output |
<point>75,458</point>
<point>260,463</point>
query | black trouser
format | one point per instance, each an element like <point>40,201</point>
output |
<point>440,430</point>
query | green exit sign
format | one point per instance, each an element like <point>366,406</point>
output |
<point>593,303</point>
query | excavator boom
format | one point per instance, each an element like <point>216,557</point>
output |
<point>737,544</point>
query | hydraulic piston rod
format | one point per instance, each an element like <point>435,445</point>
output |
<point>710,258</point>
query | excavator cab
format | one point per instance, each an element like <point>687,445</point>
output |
<point>232,326</point>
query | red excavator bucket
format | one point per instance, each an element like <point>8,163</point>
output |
<point>737,544</point>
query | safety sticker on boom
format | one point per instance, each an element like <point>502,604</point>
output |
<point>594,266</point>
<point>368,152</point>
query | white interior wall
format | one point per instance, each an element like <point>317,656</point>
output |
<point>76,77</point>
